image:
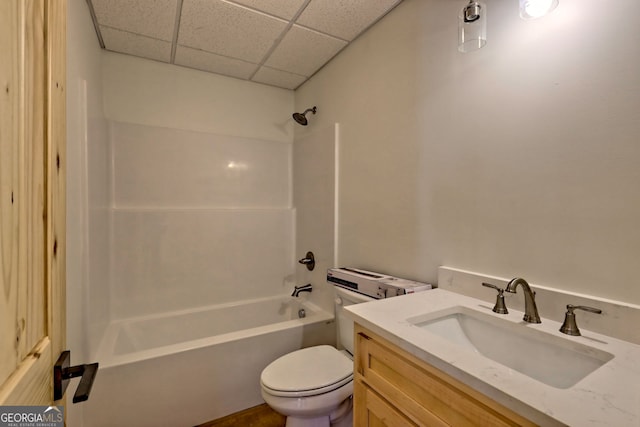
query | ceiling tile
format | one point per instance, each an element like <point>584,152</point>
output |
<point>282,8</point>
<point>134,44</point>
<point>207,61</point>
<point>303,51</point>
<point>227,29</point>
<point>274,77</point>
<point>344,19</point>
<point>152,18</point>
<point>234,37</point>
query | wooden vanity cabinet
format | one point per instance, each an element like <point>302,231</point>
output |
<point>394,388</point>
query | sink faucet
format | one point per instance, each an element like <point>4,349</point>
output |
<point>298,289</point>
<point>530,309</point>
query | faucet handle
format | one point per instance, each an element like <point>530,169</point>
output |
<point>309,260</point>
<point>585,308</point>
<point>500,307</point>
<point>569,326</point>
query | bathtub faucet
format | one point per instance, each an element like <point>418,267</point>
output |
<point>303,288</point>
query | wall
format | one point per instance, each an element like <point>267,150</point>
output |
<point>198,219</point>
<point>519,159</point>
<point>157,94</point>
<point>314,195</point>
<point>87,194</point>
<point>201,187</point>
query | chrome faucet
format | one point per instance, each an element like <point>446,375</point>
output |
<point>530,308</point>
<point>298,289</point>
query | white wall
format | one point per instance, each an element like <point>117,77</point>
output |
<point>201,187</point>
<point>198,219</point>
<point>87,194</point>
<point>162,167</point>
<point>87,180</point>
<point>158,94</point>
<point>314,198</point>
<point>520,159</point>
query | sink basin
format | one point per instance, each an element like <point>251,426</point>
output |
<point>552,360</point>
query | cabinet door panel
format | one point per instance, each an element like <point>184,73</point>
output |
<point>425,394</point>
<point>371,410</point>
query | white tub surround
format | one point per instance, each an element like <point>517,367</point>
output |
<point>192,366</point>
<point>608,396</point>
<point>191,212</point>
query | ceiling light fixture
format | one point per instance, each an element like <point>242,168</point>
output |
<point>472,27</point>
<point>532,9</point>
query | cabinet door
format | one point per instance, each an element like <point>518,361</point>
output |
<point>423,393</point>
<point>371,410</point>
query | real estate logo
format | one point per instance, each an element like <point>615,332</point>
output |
<point>31,416</point>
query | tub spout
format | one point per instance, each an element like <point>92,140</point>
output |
<point>298,289</point>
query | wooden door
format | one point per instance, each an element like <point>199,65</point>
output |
<point>32,197</point>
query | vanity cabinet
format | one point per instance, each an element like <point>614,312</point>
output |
<point>394,388</point>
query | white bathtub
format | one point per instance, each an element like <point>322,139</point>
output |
<point>189,367</point>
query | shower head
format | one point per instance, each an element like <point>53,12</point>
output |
<point>301,118</point>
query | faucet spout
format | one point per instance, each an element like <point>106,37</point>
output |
<point>530,308</point>
<point>297,290</point>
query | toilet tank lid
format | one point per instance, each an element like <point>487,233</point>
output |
<point>307,369</point>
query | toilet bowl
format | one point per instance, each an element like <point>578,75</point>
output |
<point>310,386</point>
<point>313,386</point>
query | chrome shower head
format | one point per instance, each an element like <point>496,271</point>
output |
<point>301,118</point>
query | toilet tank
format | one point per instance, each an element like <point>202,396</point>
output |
<point>345,324</point>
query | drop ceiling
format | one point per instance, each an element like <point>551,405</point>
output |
<point>276,42</point>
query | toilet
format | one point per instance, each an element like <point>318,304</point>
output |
<point>313,387</point>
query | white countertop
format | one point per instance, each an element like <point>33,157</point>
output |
<point>609,396</point>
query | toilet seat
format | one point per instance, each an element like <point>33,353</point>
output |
<point>307,372</point>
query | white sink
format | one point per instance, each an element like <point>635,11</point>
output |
<point>550,359</point>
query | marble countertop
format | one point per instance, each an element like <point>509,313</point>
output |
<point>609,396</point>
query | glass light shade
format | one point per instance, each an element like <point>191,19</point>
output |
<point>532,9</point>
<point>472,27</point>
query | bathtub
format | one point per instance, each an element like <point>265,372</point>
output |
<point>188,367</point>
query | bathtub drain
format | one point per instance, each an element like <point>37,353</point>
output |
<point>301,313</point>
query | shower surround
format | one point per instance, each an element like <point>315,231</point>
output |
<point>198,219</point>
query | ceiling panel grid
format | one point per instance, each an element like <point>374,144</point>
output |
<point>276,42</point>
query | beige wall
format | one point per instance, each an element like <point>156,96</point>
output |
<point>520,159</point>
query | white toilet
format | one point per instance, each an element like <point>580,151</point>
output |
<point>312,387</point>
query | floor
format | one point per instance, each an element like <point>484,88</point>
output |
<point>258,416</point>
